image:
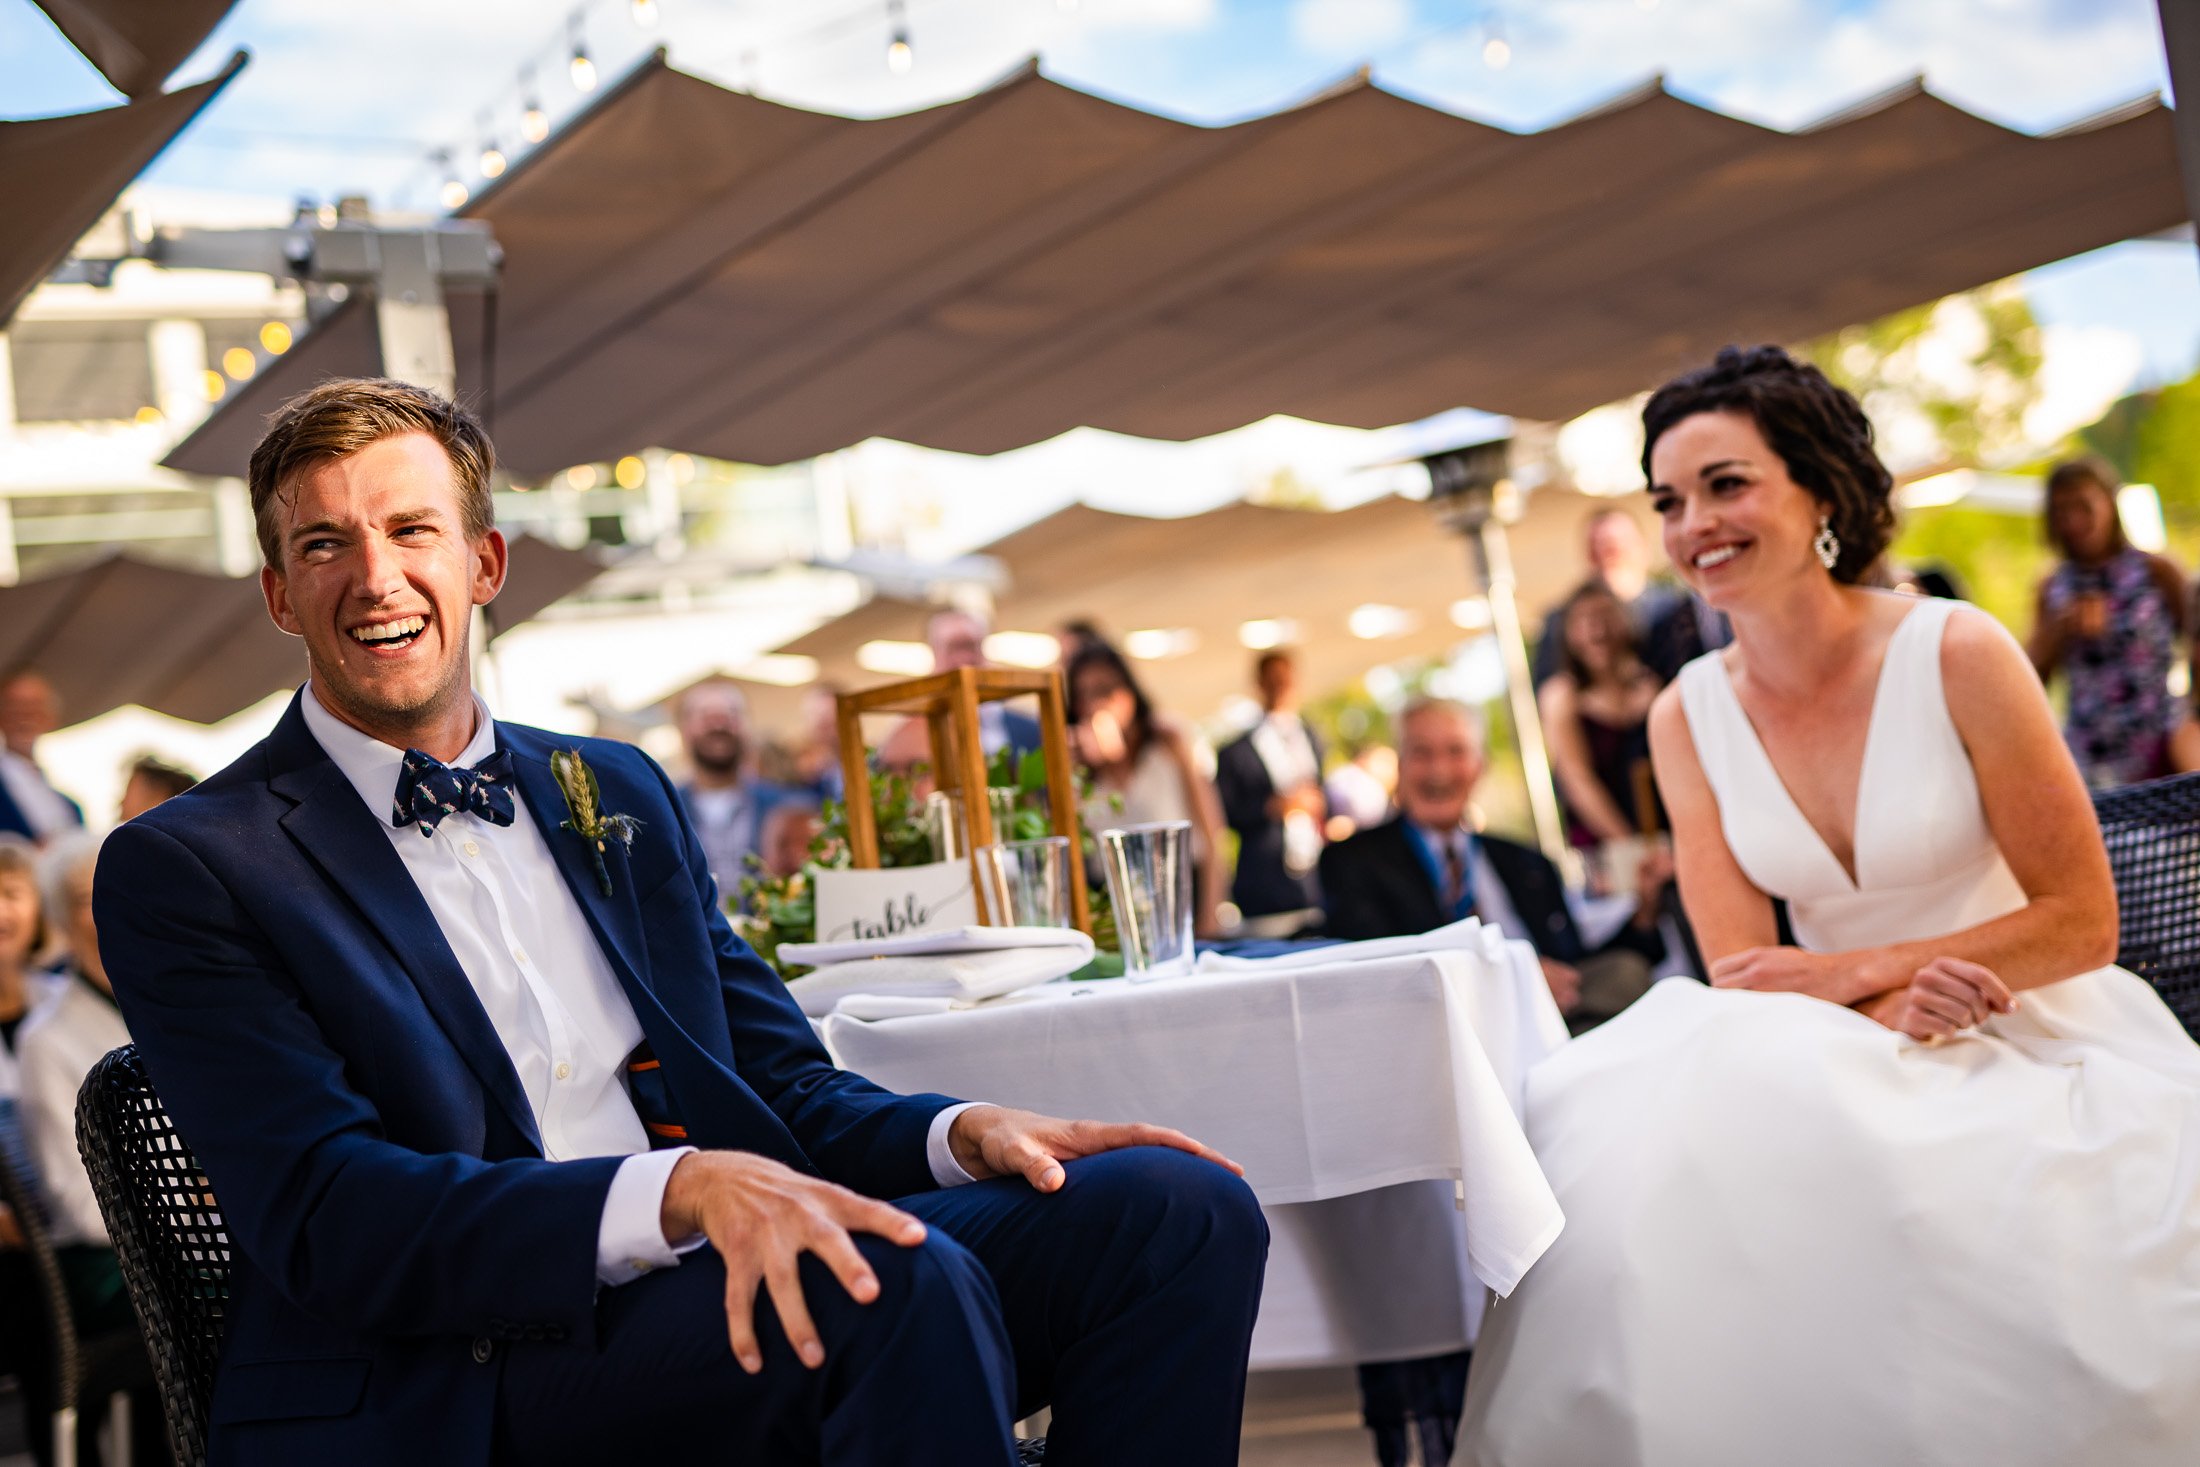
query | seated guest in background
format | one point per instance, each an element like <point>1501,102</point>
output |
<point>1596,717</point>
<point>1270,782</point>
<point>1429,867</point>
<point>477,1068</point>
<point>789,828</point>
<point>150,782</point>
<point>29,710</point>
<point>1618,560</point>
<point>23,990</point>
<point>726,802</point>
<point>1144,767</point>
<point>56,1048</point>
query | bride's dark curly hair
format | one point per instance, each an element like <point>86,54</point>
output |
<point>1819,430</point>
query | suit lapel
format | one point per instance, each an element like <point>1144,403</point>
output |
<point>615,919</point>
<point>335,828</point>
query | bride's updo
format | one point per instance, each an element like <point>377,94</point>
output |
<point>1819,430</point>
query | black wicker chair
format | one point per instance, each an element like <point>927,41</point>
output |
<point>104,1367</point>
<point>2153,835</point>
<point>168,1237</point>
<point>168,1233</point>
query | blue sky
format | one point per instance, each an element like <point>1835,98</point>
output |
<point>352,97</point>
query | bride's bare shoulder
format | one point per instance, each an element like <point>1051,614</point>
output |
<point>1670,741</point>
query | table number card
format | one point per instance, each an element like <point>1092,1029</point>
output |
<point>856,905</point>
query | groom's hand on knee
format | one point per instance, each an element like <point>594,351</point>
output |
<point>762,1217</point>
<point>994,1141</point>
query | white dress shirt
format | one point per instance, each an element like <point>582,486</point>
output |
<point>55,1049</point>
<point>44,810</point>
<point>526,948</point>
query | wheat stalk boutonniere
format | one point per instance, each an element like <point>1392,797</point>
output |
<point>584,803</point>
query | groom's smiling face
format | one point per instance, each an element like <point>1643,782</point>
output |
<point>379,577</point>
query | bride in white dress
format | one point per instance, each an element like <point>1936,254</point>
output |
<point>1926,1188</point>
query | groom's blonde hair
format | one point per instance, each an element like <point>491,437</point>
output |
<point>343,416</point>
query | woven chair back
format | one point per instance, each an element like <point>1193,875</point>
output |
<point>2153,835</point>
<point>168,1237</point>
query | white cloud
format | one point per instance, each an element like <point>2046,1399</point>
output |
<point>1348,27</point>
<point>1148,15</point>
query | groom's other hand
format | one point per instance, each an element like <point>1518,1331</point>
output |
<point>762,1217</point>
<point>993,1141</point>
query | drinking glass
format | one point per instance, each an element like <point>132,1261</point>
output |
<point>1150,881</point>
<point>1027,882</point>
<point>947,825</point>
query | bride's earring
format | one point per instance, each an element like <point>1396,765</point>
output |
<point>1827,546</point>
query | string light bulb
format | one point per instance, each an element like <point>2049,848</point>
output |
<point>583,70</point>
<point>899,55</point>
<point>534,123</point>
<point>645,14</point>
<point>454,192</point>
<point>1496,52</point>
<point>492,159</point>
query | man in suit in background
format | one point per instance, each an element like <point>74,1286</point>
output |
<point>29,806</point>
<point>478,1069</point>
<point>1428,867</point>
<point>725,800</point>
<point>1270,781</point>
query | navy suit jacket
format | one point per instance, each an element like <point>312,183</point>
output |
<point>395,1224</point>
<point>1264,883</point>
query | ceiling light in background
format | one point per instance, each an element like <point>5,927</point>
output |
<point>1158,644</point>
<point>899,56</point>
<point>581,476</point>
<point>1036,650</point>
<point>275,338</point>
<point>630,472</point>
<point>492,159</point>
<point>239,362</point>
<point>212,385</point>
<point>1267,633</point>
<point>645,14</point>
<point>1471,614</point>
<point>781,669</point>
<point>582,70</point>
<point>1376,622</point>
<point>895,659</point>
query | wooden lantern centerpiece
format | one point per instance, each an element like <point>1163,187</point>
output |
<point>948,704</point>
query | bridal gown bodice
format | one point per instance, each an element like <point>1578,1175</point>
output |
<point>1794,1236</point>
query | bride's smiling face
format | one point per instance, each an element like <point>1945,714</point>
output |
<point>1734,521</point>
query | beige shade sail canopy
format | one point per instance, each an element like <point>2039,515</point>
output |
<point>59,174</point>
<point>196,646</point>
<point>693,268</point>
<point>136,43</point>
<point>1385,567</point>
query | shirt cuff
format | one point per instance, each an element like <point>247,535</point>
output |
<point>946,1170</point>
<point>630,1241</point>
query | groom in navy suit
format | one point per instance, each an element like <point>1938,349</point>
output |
<point>526,1157</point>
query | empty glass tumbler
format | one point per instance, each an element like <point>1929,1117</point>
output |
<point>1027,882</point>
<point>1150,881</point>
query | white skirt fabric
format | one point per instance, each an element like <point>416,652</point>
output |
<point>1794,1236</point>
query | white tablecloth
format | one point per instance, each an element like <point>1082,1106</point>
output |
<point>1359,1097</point>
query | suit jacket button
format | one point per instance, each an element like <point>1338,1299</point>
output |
<point>483,1350</point>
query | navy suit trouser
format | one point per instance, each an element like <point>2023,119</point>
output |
<point>1125,1300</point>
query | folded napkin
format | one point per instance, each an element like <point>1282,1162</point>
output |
<point>1468,933</point>
<point>943,940</point>
<point>952,979</point>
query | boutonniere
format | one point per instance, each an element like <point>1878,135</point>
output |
<point>584,803</point>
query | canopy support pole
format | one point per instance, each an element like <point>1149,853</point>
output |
<point>2181,40</point>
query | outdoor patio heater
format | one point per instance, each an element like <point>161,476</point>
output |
<point>1474,496</point>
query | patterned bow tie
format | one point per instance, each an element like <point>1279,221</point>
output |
<point>428,789</point>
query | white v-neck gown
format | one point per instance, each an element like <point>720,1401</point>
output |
<point>1795,1237</point>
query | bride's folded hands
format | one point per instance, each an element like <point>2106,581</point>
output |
<point>1947,996</point>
